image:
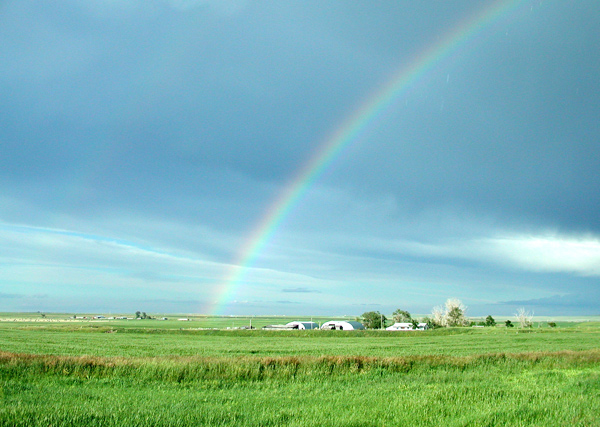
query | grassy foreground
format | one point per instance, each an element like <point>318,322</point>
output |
<point>67,376</point>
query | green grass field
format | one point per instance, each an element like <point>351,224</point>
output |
<point>160,373</point>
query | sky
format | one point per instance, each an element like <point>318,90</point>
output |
<point>162,155</point>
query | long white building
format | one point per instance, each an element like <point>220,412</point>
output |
<point>407,327</point>
<point>341,325</point>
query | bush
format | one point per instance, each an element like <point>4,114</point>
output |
<point>524,318</point>
<point>489,321</point>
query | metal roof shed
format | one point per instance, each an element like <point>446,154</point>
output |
<point>303,325</point>
<point>342,325</point>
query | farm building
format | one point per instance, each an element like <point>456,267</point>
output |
<point>407,327</point>
<point>292,326</point>
<point>303,325</point>
<point>342,325</point>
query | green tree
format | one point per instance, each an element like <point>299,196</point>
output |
<point>509,324</point>
<point>489,321</point>
<point>456,314</point>
<point>373,320</point>
<point>401,316</point>
<point>138,314</point>
<point>451,314</point>
<point>430,323</point>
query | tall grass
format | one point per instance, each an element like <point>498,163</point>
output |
<point>541,389</point>
<point>190,369</point>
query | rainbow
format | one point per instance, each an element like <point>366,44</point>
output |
<point>345,135</point>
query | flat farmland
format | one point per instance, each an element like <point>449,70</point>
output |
<point>127,342</point>
<point>157,374</point>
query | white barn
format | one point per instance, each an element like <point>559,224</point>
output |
<point>342,325</point>
<point>302,325</point>
<point>407,327</point>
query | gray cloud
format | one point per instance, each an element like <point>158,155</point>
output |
<point>301,290</point>
<point>4,295</point>
<point>588,301</point>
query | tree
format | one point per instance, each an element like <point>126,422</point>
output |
<point>489,321</point>
<point>144,315</point>
<point>138,314</point>
<point>373,320</point>
<point>451,314</point>
<point>401,316</point>
<point>427,320</point>
<point>509,324</point>
<point>524,318</point>
<point>455,312</point>
<point>415,324</point>
<point>455,317</point>
<point>438,318</point>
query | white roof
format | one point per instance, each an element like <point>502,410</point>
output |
<point>346,325</point>
<point>404,326</point>
<point>303,325</point>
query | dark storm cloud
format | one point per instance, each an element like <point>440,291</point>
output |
<point>160,107</point>
<point>515,137</point>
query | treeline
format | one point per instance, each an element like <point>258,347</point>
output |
<point>451,314</point>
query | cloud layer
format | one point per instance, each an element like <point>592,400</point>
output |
<point>143,141</point>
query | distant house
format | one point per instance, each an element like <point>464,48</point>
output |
<point>303,325</point>
<point>407,327</point>
<point>342,325</point>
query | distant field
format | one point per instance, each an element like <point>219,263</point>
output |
<point>167,373</point>
<point>222,322</point>
<point>127,341</point>
<point>172,322</point>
